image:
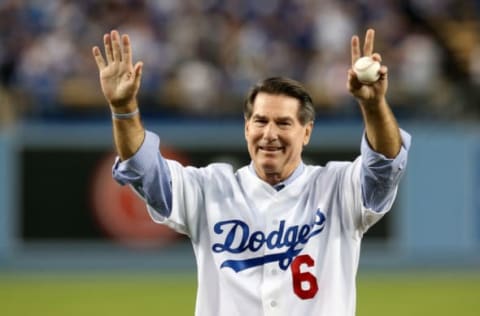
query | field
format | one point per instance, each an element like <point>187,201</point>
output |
<point>405,293</point>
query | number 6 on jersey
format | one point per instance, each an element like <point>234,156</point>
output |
<point>303,279</point>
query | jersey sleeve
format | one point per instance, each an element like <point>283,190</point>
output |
<point>174,194</point>
<point>188,196</point>
<point>367,187</point>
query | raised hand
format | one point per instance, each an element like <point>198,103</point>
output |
<point>371,93</point>
<point>119,78</point>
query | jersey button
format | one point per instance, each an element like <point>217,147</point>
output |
<point>274,271</point>
<point>273,303</point>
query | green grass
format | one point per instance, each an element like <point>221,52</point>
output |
<point>94,295</point>
<point>122,294</point>
<point>427,293</point>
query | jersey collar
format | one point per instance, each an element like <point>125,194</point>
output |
<point>296,173</point>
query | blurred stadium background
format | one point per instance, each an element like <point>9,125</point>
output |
<point>72,242</point>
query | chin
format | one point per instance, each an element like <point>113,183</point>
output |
<point>269,168</point>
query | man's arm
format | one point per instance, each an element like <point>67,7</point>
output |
<point>137,149</point>
<point>120,81</point>
<point>384,152</point>
<point>383,133</point>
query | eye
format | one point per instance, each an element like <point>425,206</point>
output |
<point>260,121</point>
<point>284,124</point>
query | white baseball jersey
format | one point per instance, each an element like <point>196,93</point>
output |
<point>265,252</point>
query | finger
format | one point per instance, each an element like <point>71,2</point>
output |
<point>351,75</point>
<point>368,45</point>
<point>117,54</point>
<point>355,48</point>
<point>127,50</point>
<point>352,82</point>
<point>107,42</point>
<point>98,58</point>
<point>383,71</point>
<point>377,57</point>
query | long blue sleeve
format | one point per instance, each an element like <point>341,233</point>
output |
<point>380,175</point>
<point>148,174</point>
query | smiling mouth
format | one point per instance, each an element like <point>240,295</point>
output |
<point>270,149</point>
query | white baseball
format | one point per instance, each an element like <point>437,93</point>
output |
<point>366,70</point>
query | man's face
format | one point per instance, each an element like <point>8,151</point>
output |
<point>275,137</point>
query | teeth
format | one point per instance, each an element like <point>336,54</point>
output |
<point>270,148</point>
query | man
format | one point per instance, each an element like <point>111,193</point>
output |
<point>277,237</point>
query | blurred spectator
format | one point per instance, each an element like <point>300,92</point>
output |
<point>421,83</point>
<point>201,55</point>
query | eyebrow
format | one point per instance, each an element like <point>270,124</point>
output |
<point>282,118</point>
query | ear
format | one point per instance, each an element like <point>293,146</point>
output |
<point>246,128</point>
<point>308,133</point>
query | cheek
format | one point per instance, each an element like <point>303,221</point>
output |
<point>296,143</point>
<point>251,142</point>
<point>253,136</point>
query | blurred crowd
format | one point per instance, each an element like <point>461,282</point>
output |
<point>201,56</point>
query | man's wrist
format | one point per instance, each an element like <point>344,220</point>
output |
<point>124,116</point>
<point>125,111</point>
<point>373,105</point>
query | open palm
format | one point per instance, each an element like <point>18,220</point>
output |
<point>119,79</point>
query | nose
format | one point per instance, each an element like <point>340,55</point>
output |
<point>270,133</point>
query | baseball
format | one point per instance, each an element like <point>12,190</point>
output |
<point>366,70</point>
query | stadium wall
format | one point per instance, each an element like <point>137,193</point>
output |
<point>435,221</point>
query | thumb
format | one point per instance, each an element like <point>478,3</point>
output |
<point>138,72</point>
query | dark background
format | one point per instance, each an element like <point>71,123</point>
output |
<point>56,183</point>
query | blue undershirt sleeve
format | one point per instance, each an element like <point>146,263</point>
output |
<point>148,174</point>
<point>380,176</point>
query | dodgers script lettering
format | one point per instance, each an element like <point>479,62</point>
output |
<point>238,238</point>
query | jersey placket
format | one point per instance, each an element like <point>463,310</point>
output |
<point>272,274</point>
